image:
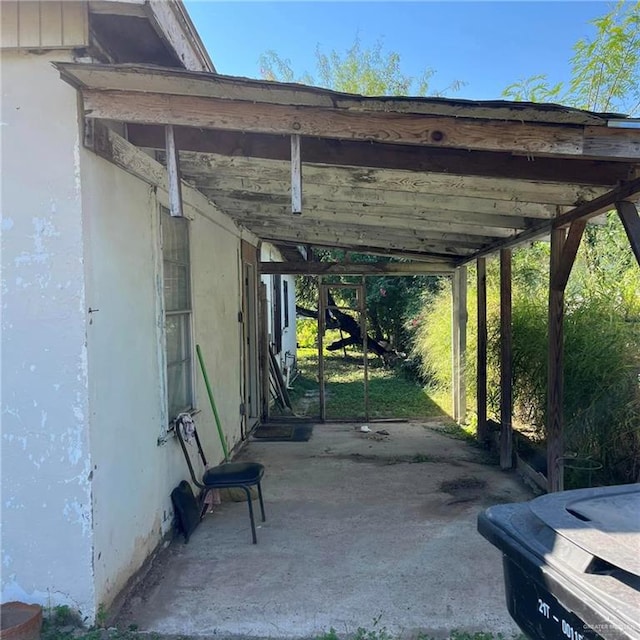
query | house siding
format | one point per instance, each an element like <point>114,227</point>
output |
<point>46,461</point>
<point>87,462</point>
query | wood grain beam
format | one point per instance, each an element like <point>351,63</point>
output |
<point>567,258</point>
<point>372,154</point>
<point>555,371</point>
<point>379,224</point>
<point>481,362</point>
<point>356,268</point>
<point>219,168</point>
<point>506,363</point>
<point>364,243</point>
<point>628,213</point>
<point>317,229</point>
<point>272,191</point>
<point>391,216</point>
<point>387,127</point>
<point>584,211</point>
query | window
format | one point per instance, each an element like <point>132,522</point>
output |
<point>177,310</point>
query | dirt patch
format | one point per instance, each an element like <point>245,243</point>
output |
<point>463,485</point>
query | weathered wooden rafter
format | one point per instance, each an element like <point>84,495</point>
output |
<point>329,151</point>
<point>356,268</point>
<point>388,127</point>
<point>278,193</point>
<point>258,216</point>
<point>216,170</point>
<point>584,211</point>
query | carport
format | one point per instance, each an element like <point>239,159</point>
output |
<point>437,182</point>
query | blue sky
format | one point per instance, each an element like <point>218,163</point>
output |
<point>486,44</point>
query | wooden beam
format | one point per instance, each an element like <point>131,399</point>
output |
<point>275,192</point>
<point>356,268</point>
<point>313,225</point>
<point>173,175</point>
<point>481,366</point>
<point>387,127</point>
<point>274,215</point>
<point>518,192</point>
<point>628,214</point>
<point>378,155</point>
<point>397,215</point>
<point>113,148</point>
<point>584,211</point>
<point>555,439</point>
<point>506,359</point>
<point>296,175</point>
<point>343,237</point>
<point>568,256</point>
<point>459,338</point>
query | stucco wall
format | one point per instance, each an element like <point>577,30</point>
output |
<point>269,253</point>
<point>135,466</point>
<point>86,468</point>
<point>46,463</point>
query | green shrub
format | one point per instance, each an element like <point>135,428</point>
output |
<point>601,356</point>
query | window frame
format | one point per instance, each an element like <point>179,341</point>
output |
<point>186,313</point>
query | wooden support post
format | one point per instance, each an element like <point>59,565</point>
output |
<point>264,351</point>
<point>568,255</point>
<point>481,366</point>
<point>506,377</point>
<point>362,306</point>
<point>322,306</point>
<point>459,343</point>
<point>555,440</point>
<point>631,222</point>
<point>173,173</point>
<point>296,175</point>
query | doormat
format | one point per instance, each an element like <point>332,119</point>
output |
<point>284,432</point>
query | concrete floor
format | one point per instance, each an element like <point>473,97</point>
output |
<point>362,531</point>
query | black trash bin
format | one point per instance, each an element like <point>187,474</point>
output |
<point>571,562</point>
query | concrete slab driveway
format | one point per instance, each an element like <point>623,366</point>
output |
<point>363,530</point>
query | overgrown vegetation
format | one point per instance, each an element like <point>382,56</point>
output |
<point>602,351</point>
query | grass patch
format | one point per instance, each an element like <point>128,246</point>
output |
<point>391,395</point>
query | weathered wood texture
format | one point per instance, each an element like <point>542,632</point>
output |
<point>519,193</point>
<point>355,268</point>
<point>555,440</point>
<point>568,255</point>
<point>48,24</point>
<point>173,174</point>
<point>178,81</point>
<point>628,213</point>
<point>584,211</point>
<point>388,127</point>
<point>325,151</point>
<point>459,346</point>
<point>296,175</point>
<point>506,358</point>
<point>481,366</point>
<point>109,145</point>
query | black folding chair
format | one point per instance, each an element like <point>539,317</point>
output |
<point>240,475</point>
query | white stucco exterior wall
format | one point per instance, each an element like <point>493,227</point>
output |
<point>86,473</point>
<point>269,253</point>
<point>46,461</point>
<point>134,473</point>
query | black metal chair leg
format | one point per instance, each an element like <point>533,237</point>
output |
<point>253,524</point>
<point>261,502</point>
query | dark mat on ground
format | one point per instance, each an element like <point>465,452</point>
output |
<point>284,432</point>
